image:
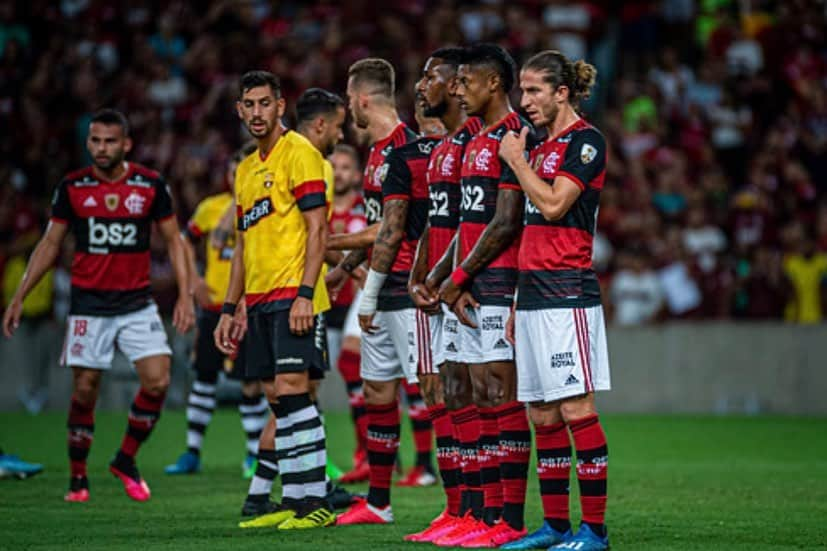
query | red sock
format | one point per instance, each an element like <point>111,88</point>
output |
<point>467,422</point>
<point>143,414</point>
<point>592,463</point>
<point>554,470</point>
<point>348,366</point>
<point>81,425</point>
<point>383,442</point>
<point>489,454</point>
<point>420,425</point>
<point>446,457</point>
<point>515,447</point>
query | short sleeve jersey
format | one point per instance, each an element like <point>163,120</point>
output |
<point>404,177</point>
<point>483,175</point>
<point>111,223</point>
<point>556,257</point>
<point>444,188</point>
<point>271,194</point>
<point>372,181</point>
<point>204,220</point>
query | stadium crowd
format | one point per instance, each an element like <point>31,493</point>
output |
<point>716,110</point>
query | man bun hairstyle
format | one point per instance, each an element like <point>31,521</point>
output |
<point>495,57</point>
<point>377,73</point>
<point>111,116</point>
<point>254,79</point>
<point>579,77</point>
<point>314,102</point>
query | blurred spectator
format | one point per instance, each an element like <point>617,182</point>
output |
<point>635,290</point>
<point>807,271</point>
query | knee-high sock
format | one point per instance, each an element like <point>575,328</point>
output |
<point>592,467</point>
<point>348,366</point>
<point>254,412</point>
<point>446,456</point>
<point>143,415</point>
<point>200,408</point>
<point>489,454</point>
<point>383,443</point>
<point>266,471</point>
<point>467,423</point>
<point>81,427</point>
<point>300,447</point>
<point>515,449</point>
<point>421,425</point>
<point>554,470</point>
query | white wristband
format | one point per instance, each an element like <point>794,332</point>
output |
<point>370,294</point>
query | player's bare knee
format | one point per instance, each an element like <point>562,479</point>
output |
<point>544,413</point>
<point>352,344</point>
<point>379,393</point>
<point>292,383</point>
<point>250,388</point>
<point>480,392</point>
<point>269,388</point>
<point>457,386</point>
<point>431,389</point>
<point>87,385</point>
<point>578,407</point>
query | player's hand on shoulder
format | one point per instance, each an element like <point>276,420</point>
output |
<point>301,316</point>
<point>512,146</point>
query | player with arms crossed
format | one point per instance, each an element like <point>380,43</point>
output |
<point>209,361</point>
<point>444,382</point>
<point>558,325</point>
<point>481,290</point>
<point>282,218</point>
<point>109,208</point>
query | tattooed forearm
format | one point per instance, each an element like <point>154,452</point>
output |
<point>353,259</point>
<point>445,265</point>
<point>499,233</point>
<point>391,233</point>
<point>420,264</point>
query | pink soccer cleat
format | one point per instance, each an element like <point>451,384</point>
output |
<point>465,529</point>
<point>440,526</point>
<point>364,513</point>
<point>136,489</point>
<point>499,534</point>
<point>77,496</point>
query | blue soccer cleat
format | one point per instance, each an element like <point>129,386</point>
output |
<point>188,463</point>
<point>542,538</point>
<point>11,466</point>
<point>584,540</point>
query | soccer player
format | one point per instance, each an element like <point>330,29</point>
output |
<point>385,345</point>
<point>481,290</point>
<point>109,208</point>
<point>209,361</point>
<point>558,325</point>
<point>280,247</point>
<point>344,332</point>
<point>436,334</point>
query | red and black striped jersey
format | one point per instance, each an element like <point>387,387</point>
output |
<point>111,223</point>
<point>372,182</point>
<point>444,188</point>
<point>351,220</point>
<point>556,257</point>
<point>483,175</point>
<point>404,177</point>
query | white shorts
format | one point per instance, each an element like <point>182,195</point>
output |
<point>91,340</point>
<point>427,339</point>
<point>561,352</point>
<point>351,327</point>
<point>389,352</point>
<point>450,334</point>
<point>486,343</point>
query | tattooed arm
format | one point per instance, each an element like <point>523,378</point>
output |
<point>423,297</point>
<point>444,266</point>
<point>357,240</point>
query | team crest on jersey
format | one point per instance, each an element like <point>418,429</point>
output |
<point>135,203</point>
<point>111,200</point>
<point>483,160</point>
<point>381,174</point>
<point>587,153</point>
<point>268,180</point>
<point>447,166</point>
<point>550,164</point>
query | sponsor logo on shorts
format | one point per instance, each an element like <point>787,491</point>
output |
<point>410,338</point>
<point>451,326</point>
<point>80,328</point>
<point>572,380</point>
<point>77,349</point>
<point>289,361</point>
<point>500,344</point>
<point>562,359</point>
<point>493,323</point>
<point>451,347</point>
<point>156,327</point>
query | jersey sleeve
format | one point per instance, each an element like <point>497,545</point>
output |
<point>199,223</point>
<point>307,183</point>
<point>585,157</point>
<point>61,206</point>
<point>162,205</point>
<point>396,178</point>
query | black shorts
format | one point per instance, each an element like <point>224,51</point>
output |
<point>208,358</point>
<point>316,371</point>
<point>272,349</point>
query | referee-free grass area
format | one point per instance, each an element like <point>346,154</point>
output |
<point>675,483</point>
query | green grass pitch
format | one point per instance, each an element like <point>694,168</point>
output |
<point>675,483</point>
